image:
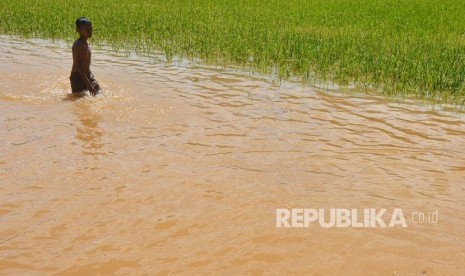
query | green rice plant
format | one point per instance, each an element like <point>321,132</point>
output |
<point>400,47</point>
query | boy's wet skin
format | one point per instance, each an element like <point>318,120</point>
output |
<point>81,77</point>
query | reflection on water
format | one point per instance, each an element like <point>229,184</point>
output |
<point>88,132</point>
<point>174,170</point>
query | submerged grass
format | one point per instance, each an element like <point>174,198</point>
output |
<point>399,47</point>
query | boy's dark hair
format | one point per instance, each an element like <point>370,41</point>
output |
<point>82,21</point>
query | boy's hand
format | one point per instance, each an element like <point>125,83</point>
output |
<point>93,91</point>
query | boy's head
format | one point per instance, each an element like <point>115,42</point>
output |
<point>84,27</point>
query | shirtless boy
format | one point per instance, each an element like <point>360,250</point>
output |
<point>81,77</point>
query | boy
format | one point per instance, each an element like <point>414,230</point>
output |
<point>81,77</point>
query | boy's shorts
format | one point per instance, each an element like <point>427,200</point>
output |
<point>79,85</point>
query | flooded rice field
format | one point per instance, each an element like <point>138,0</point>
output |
<point>176,169</point>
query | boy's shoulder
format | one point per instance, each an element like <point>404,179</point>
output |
<point>78,44</point>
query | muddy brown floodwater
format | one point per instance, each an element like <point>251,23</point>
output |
<point>180,170</point>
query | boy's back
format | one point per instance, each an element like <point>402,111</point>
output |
<point>81,56</point>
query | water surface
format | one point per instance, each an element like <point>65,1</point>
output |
<point>175,169</point>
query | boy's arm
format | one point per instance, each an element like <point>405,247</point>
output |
<point>78,55</point>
